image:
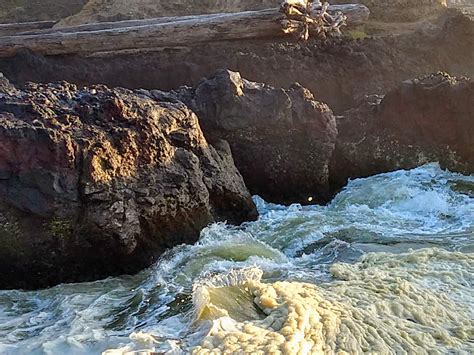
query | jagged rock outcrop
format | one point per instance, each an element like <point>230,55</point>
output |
<point>97,182</point>
<point>281,140</point>
<point>423,120</point>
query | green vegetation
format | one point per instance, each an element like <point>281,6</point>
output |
<point>60,228</point>
<point>357,34</point>
<point>9,229</point>
<point>10,238</point>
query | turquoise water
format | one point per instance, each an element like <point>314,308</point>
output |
<point>425,215</point>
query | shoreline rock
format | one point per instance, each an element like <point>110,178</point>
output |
<point>424,120</point>
<point>97,182</point>
<point>281,139</point>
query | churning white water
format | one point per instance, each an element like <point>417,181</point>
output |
<point>387,267</point>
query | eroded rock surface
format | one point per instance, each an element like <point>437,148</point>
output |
<point>97,182</point>
<point>281,140</point>
<point>423,120</point>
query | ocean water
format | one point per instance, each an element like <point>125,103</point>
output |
<point>387,267</point>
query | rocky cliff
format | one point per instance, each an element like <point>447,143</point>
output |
<point>97,182</point>
<point>335,72</point>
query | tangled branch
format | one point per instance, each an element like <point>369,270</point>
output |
<point>304,17</point>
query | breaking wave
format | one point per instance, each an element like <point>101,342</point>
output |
<point>386,268</point>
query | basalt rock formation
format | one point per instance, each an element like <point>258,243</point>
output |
<point>422,120</point>
<point>281,140</point>
<point>97,182</point>
<point>290,148</point>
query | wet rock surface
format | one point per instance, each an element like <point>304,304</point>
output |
<point>281,140</point>
<point>97,182</point>
<point>422,120</point>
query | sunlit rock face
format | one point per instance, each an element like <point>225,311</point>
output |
<point>97,182</point>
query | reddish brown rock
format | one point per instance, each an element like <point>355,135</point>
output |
<point>97,182</point>
<point>423,120</point>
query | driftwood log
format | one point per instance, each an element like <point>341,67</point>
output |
<point>305,16</point>
<point>162,32</point>
<point>8,29</point>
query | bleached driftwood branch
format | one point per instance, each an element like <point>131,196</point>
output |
<point>171,32</point>
<point>305,17</point>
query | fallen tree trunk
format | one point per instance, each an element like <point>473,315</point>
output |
<point>8,29</point>
<point>165,32</point>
